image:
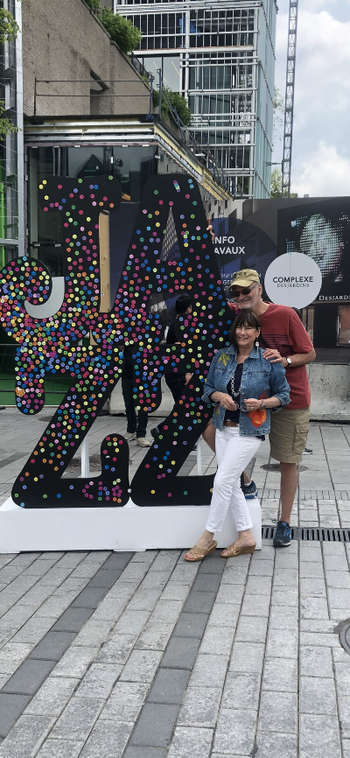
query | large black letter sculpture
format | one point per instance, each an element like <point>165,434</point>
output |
<point>52,344</point>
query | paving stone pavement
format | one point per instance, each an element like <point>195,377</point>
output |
<point>146,656</point>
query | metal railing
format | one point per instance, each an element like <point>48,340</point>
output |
<point>103,92</point>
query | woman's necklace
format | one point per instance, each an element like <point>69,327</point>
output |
<point>234,393</point>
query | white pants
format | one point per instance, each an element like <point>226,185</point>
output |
<point>233,454</point>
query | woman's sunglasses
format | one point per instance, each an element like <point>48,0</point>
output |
<point>243,291</point>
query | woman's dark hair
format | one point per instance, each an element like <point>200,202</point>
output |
<point>183,302</point>
<point>244,318</point>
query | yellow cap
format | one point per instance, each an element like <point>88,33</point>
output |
<point>244,278</point>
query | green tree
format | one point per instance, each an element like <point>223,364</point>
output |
<point>276,183</point>
<point>180,103</point>
<point>6,126</point>
<point>278,115</point>
<point>9,28</point>
<point>127,36</point>
<point>93,4</point>
<point>172,100</point>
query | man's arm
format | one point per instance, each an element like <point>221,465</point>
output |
<point>297,359</point>
<point>301,347</point>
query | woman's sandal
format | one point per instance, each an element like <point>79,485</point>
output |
<point>198,552</point>
<point>232,551</point>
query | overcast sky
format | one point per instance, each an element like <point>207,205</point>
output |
<point>321,137</point>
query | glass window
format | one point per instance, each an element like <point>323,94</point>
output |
<point>171,72</point>
<point>132,165</point>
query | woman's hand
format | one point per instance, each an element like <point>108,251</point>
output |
<point>253,404</point>
<point>226,401</point>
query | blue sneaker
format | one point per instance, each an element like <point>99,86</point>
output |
<point>250,490</point>
<point>283,535</point>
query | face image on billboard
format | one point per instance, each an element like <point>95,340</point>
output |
<point>320,230</point>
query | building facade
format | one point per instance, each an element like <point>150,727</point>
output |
<point>220,55</point>
<point>86,112</point>
<point>12,236</point>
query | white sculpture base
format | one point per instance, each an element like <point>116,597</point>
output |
<point>128,528</point>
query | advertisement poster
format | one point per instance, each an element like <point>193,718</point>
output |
<point>301,250</point>
<point>320,230</point>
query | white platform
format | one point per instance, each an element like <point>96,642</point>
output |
<point>127,528</point>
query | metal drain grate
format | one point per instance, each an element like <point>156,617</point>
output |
<point>311,534</point>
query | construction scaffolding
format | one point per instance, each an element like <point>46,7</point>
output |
<point>289,100</point>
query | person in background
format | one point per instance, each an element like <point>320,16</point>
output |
<point>136,425</point>
<point>176,381</point>
<point>243,387</point>
<point>285,341</point>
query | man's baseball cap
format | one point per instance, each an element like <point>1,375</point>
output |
<point>244,278</point>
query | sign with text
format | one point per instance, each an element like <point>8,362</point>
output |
<point>293,279</point>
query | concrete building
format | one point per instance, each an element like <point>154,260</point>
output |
<point>220,55</point>
<point>11,145</point>
<point>87,111</point>
<point>73,68</point>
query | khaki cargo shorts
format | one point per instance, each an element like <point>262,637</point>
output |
<point>288,434</point>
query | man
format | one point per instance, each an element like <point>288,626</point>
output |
<point>287,342</point>
<point>176,382</point>
<point>136,425</point>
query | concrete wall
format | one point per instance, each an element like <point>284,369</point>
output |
<point>330,391</point>
<point>63,40</point>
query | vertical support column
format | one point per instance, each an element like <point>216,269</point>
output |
<point>85,466</point>
<point>186,17</point>
<point>254,107</point>
<point>199,458</point>
<point>160,93</point>
<point>105,293</point>
<point>20,135</point>
<point>289,102</point>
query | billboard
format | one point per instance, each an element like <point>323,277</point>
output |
<point>320,230</point>
<point>301,250</point>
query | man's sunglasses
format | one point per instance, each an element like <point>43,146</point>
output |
<point>243,291</point>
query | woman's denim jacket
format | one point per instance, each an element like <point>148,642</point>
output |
<point>260,379</point>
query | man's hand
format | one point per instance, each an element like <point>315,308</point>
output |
<point>274,356</point>
<point>210,230</point>
<point>298,359</point>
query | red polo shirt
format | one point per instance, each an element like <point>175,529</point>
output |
<point>282,330</point>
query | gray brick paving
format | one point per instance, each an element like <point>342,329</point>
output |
<point>26,737</point>
<point>28,677</point>
<point>155,725</point>
<point>145,752</point>
<point>60,749</point>
<point>145,656</point>
<point>77,719</point>
<point>169,686</point>
<point>103,743</point>
<point>11,708</point>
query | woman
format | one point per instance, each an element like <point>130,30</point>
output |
<point>243,387</point>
